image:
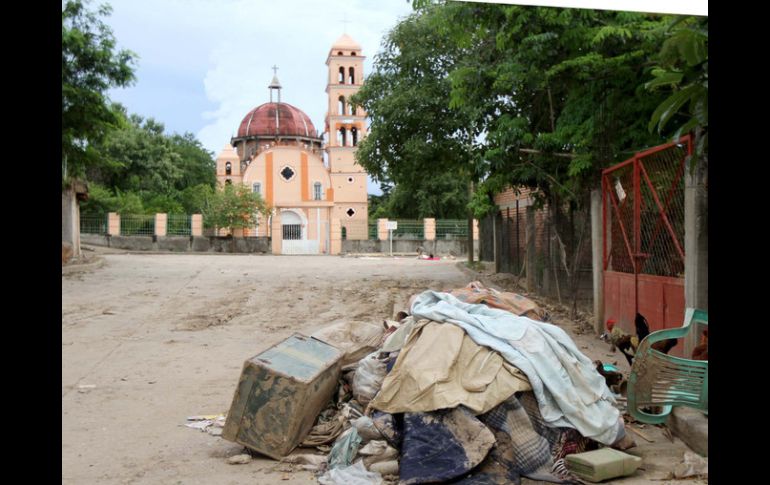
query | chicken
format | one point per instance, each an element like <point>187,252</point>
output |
<point>611,377</point>
<point>628,344</point>
<point>701,351</point>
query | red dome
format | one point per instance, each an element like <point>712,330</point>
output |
<point>291,121</point>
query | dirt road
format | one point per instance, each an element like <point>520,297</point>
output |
<point>148,340</point>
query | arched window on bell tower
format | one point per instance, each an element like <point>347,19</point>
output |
<point>341,105</point>
<point>354,135</point>
<point>228,168</point>
<point>341,78</point>
<point>343,137</point>
<point>351,76</point>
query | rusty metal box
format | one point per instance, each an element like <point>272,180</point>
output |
<point>280,393</point>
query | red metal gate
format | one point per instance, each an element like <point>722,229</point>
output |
<point>643,221</point>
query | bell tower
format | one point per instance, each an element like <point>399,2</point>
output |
<point>345,128</point>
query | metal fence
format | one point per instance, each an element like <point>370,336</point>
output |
<point>451,228</point>
<point>137,225</point>
<point>179,225</point>
<point>409,229</point>
<point>373,230</point>
<point>93,224</point>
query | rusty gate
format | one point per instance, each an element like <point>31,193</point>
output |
<point>643,234</point>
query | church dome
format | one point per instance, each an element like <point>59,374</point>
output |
<point>276,119</point>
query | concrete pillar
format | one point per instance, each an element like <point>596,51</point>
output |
<point>597,259</point>
<point>475,230</point>
<point>196,225</point>
<point>382,229</point>
<point>113,224</point>
<point>276,235</point>
<point>429,226</point>
<point>336,237</point>
<point>70,220</point>
<point>161,224</point>
<point>696,245</point>
<point>238,232</point>
<point>531,238</point>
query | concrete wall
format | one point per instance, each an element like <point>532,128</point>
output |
<point>457,247</point>
<point>181,244</point>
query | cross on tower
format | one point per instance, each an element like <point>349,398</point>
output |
<point>345,21</point>
<point>275,70</point>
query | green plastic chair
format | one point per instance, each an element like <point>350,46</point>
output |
<point>665,381</point>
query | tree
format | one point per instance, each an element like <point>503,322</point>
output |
<point>165,172</point>
<point>234,207</point>
<point>683,70</point>
<point>417,142</point>
<point>90,66</point>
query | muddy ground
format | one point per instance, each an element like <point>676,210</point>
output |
<point>150,339</point>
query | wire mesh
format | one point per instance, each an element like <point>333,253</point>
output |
<point>659,249</point>
<point>619,187</point>
<point>372,230</point>
<point>451,228</point>
<point>179,225</point>
<point>137,225</point>
<point>409,229</point>
<point>662,213</point>
<point>93,224</point>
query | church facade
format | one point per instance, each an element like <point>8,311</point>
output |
<point>278,153</point>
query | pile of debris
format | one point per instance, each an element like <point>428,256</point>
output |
<point>469,386</point>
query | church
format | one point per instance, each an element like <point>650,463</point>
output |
<point>310,179</point>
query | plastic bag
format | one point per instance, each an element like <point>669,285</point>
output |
<point>368,378</point>
<point>366,429</point>
<point>355,474</point>
<point>344,449</point>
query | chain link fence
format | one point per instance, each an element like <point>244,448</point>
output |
<point>451,228</point>
<point>179,225</point>
<point>93,224</point>
<point>137,225</point>
<point>409,229</point>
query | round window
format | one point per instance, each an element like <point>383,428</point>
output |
<point>287,173</point>
<point>350,180</point>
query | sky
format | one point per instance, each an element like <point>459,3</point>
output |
<point>204,64</point>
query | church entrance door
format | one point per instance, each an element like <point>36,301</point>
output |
<point>294,234</point>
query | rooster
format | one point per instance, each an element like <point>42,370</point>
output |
<point>701,351</point>
<point>628,344</point>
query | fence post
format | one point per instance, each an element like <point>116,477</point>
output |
<point>597,260</point>
<point>475,231</point>
<point>429,227</point>
<point>161,224</point>
<point>113,224</point>
<point>382,229</point>
<point>531,236</point>
<point>276,233</point>
<point>696,246</point>
<point>196,225</point>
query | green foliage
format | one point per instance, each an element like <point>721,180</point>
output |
<point>682,72</point>
<point>234,207</point>
<point>558,94</point>
<point>90,66</point>
<point>166,173</point>
<point>417,142</point>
